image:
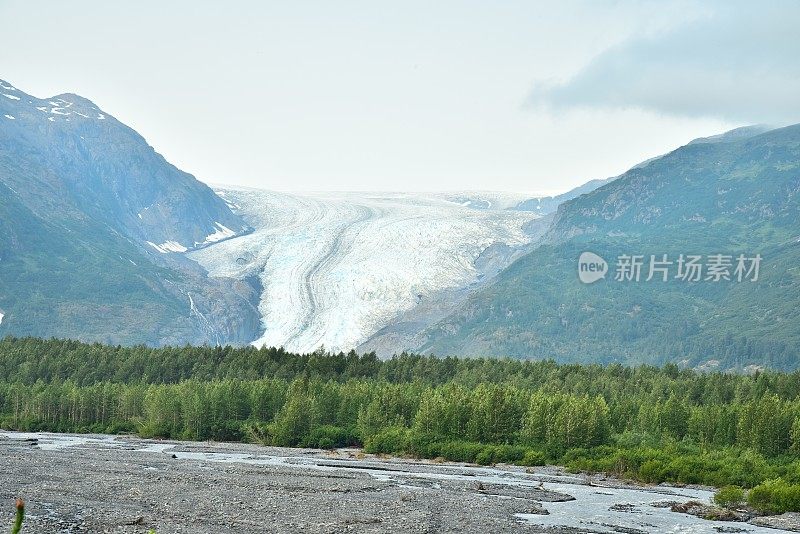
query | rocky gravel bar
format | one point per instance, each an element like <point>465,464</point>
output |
<point>123,484</point>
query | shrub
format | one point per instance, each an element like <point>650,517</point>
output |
<point>729,496</point>
<point>651,471</point>
<point>390,440</point>
<point>486,456</point>
<point>329,437</point>
<point>227,431</point>
<point>533,457</point>
<point>460,451</point>
<point>775,496</point>
<point>509,454</point>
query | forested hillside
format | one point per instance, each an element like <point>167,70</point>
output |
<point>648,423</point>
<point>730,197</point>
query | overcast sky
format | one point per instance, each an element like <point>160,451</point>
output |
<point>413,95</point>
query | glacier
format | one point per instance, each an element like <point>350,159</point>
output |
<point>335,268</point>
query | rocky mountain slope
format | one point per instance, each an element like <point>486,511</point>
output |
<point>89,217</point>
<point>64,157</point>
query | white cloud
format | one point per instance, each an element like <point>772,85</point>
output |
<point>740,62</point>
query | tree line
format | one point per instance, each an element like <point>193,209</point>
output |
<point>648,423</point>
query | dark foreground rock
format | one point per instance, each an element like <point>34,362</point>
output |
<point>710,512</point>
<point>789,522</point>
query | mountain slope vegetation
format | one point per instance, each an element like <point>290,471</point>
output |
<point>731,197</point>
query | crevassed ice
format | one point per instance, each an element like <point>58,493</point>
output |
<point>335,268</point>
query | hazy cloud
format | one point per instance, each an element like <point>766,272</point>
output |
<point>740,62</point>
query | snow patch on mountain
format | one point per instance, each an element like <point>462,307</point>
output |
<point>337,267</point>
<point>55,108</point>
<point>168,246</point>
<point>222,232</point>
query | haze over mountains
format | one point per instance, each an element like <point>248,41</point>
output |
<point>102,239</point>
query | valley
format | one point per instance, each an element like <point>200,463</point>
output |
<point>103,240</point>
<point>400,268</point>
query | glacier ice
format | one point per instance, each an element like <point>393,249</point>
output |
<point>337,267</point>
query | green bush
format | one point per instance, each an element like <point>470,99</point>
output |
<point>486,456</point>
<point>729,496</point>
<point>227,431</point>
<point>258,432</point>
<point>329,437</point>
<point>391,440</point>
<point>775,496</point>
<point>460,451</point>
<point>651,471</point>
<point>119,427</point>
<point>533,457</point>
<point>509,454</point>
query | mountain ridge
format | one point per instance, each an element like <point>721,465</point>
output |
<point>86,206</point>
<point>90,154</point>
<point>726,197</point>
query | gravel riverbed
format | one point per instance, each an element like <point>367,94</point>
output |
<point>123,484</point>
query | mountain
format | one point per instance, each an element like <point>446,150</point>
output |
<point>743,132</point>
<point>101,239</point>
<point>65,157</point>
<point>547,205</point>
<point>734,196</point>
<point>90,216</point>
